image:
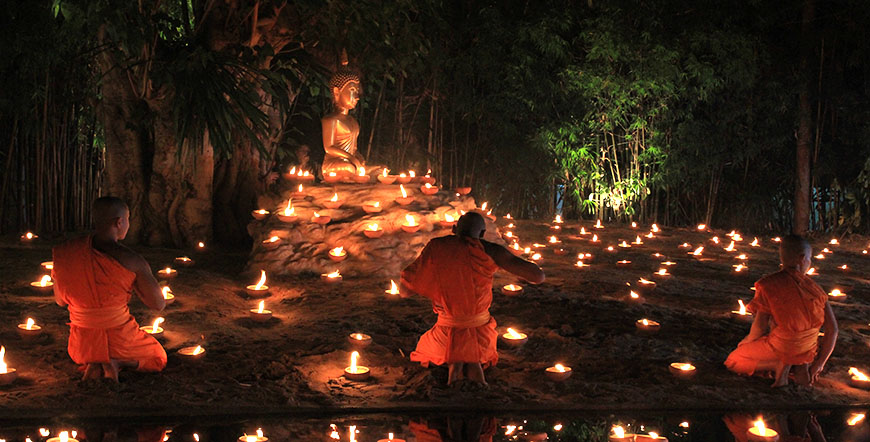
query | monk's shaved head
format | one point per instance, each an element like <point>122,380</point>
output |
<point>471,224</point>
<point>793,249</point>
<point>107,210</point>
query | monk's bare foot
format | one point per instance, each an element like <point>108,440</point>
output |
<point>802,375</point>
<point>474,372</point>
<point>92,371</point>
<point>781,376</point>
<point>455,372</point>
<point>110,370</point>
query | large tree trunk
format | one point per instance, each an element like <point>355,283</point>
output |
<point>801,221</point>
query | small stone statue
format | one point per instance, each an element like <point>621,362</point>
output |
<point>340,130</point>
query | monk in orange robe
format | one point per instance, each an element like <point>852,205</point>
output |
<point>94,277</point>
<point>455,273</point>
<point>790,309</point>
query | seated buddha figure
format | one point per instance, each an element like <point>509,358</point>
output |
<point>340,130</point>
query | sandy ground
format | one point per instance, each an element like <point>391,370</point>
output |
<point>581,317</point>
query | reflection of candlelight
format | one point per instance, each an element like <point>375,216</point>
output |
<point>356,372</point>
<point>558,372</point>
<point>581,264</point>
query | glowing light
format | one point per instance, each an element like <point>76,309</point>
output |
<point>261,306</point>
<point>702,226</point>
<point>698,251</point>
<point>855,419</point>
<point>655,228</point>
<point>512,334</point>
<point>633,295</point>
<point>334,197</point>
<point>260,284</point>
<point>30,323</point>
<point>289,210</point>
<point>560,368</point>
<point>394,289</point>
<point>618,431</point>
<point>410,221</point>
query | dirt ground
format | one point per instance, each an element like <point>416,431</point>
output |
<point>581,317</point>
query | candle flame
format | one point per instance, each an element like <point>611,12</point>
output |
<point>653,435</point>
<point>857,374</point>
<point>410,221</point>
<point>558,219</point>
<point>742,310</point>
<point>289,210</point>
<point>167,270</point>
<point>338,251</point>
<point>201,245</point>
<point>196,437</point>
<point>166,291</point>
<point>698,251</point>
<point>583,231</point>
<point>662,272</point>
<point>834,242</point>
<point>685,367</point>
<point>644,321</point>
<point>412,174</point>
<point>595,238</point>
<point>334,197</point>
<point>449,218</point>
<point>358,336</point>
<point>44,280</point>
<point>836,292</point>
<point>198,350</point>
<point>655,228</point>
<point>702,226</point>
<point>402,188</point>
<point>618,431</point>
<point>28,235</point>
<point>63,436</point>
<point>334,274</point>
<point>316,215</point>
<point>730,247</point>
<point>386,171</point>
<point>560,368</point>
<point>156,324</point>
<point>44,432</point>
<point>759,425</point>
<point>261,306</point>
<point>353,358</point>
<point>553,240</point>
<point>645,281</point>
<point>299,189</point>
<point>3,367</point>
<point>855,419</point>
<point>394,289</point>
<point>598,224</point>
<point>483,206</point>
<point>262,281</point>
<point>373,227</point>
<point>811,271</point>
<point>512,287</point>
<point>754,242</point>
<point>30,323</point>
<point>362,171</point>
<point>633,224</point>
<point>739,267</point>
<point>633,295</point>
<point>512,334</point>
<point>427,186</point>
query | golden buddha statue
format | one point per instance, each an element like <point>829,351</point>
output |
<point>340,130</point>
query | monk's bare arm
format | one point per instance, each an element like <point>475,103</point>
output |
<point>526,270</point>
<point>146,287</point>
<point>759,328</point>
<point>832,330</point>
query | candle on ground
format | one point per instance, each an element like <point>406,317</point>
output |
<point>741,313</point>
<point>403,178</point>
<point>359,340</point>
<point>558,372</point>
<point>29,237</point>
<point>271,243</point>
<point>260,289</point>
<point>428,189</point>
<point>167,273</point>
<point>154,329</point>
<point>47,265</point>
<point>356,372</point>
<point>192,353</point>
<point>448,221</point>
<point>682,370</point>
<point>167,294</point>
<point>411,224</point>
<point>321,219</point>
<point>393,290</point>
<point>299,192</point>
<point>260,314</point>
<point>760,433</point>
<point>855,419</point>
<point>29,330</point>
<point>44,285</point>
<point>361,177</point>
<point>618,434</point>
<point>63,436</point>
<point>390,438</point>
<point>183,261</point>
<point>200,246</point>
<point>331,277</point>
<point>512,290</point>
<point>404,200</point>
<point>650,437</point>
<point>258,437</point>
<point>334,202</point>
<point>623,263</point>
<point>372,207</point>
<point>288,214</point>
<point>647,325</point>
<point>7,374</point>
<point>858,379</point>
<point>260,214</point>
<point>463,190</point>
<point>836,293</point>
<point>373,230</point>
<point>338,254</point>
<point>386,178</point>
<point>514,338</point>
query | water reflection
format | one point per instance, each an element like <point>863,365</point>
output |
<point>804,426</point>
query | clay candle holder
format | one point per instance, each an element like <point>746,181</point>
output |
<point>403,178</point>
<point>28,237</point>
<point>260,314</point>
<point>648,326</point>
<point>741,314</point>
<point>404,200</point>
<point>645,286</point>
<point>558,372</point>
<point>192,353</point>
<point>29,330</point>
<point>429,189</point>
<point>271,243</point>
<point>8,375</point>
<point>634,296</point>
<point>411,225</point>
<point>254,438</point>
<point>331,277</point>
<point>390,438</point>
<point>260,289</point>
<point>650,437</point>
<point>514,338</point>
<point>858,379</point>
<point>448,221</point>
<point>623,263</point>
<point>373,231</point>
<point>260,214</point>
<point>288,215</point>
<point>463,190</point>
<point>372,207</point>
<point>167,273</point>
<point>154,329</point>
<point>359,340</point>
<point>167,295</point>
<point>512,290</point>
<point>331,178</point>
<point>338,254</point>
<point>321,219</point>
<point>183,261</point>
<point>47,265</point>
<point>682,370</point>
<point>384,178</point>
<point>760,433</point>
<point>334,202</point>
<point>662,273</point>
<point>618,434</point>
<point>836,293</point>
<point>361,177</point>
<point>44,285</point>
<point>299,192</point>
<point>624,245</point>
<point>356,372</point>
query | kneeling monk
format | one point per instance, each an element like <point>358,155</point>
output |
<point>455,273</point>
<point>94,277</point>
<point>790,309</point>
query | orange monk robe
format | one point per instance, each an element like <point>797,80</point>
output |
<point>455,273</point>
<point>797,305</point>
<point>455,429</point>
<point>96,288</point>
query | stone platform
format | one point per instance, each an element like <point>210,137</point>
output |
<point>304,245</point>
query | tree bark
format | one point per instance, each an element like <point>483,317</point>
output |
<point>801,222</point>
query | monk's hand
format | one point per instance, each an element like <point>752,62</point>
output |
<point>816,369</point>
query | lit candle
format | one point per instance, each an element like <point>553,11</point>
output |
<point>682,370</point>
<point>581,264</point>
<point>755,243</point>
<point>650,437</point>
<point>8,374</point>
<point>583,231</point>
<point>271,243</point>
<point>258,437</point>
<point>260,214</point>
<point>338,254</point>
<point>448,221</point>
<point>331,277</point>
<point>668,263</point>
<point>834,242</point>
<point>594,238</point>
<point>836,293</point>
<point>29,330</point>
<point>393,290</point>
<point>320,219</point>
<point>618,434</point>
<point>167,294</point>
<point>63,436</point>
<point>29,237</point>
<point>299,192</point>
<point>598,224</point>
<point>200,246</point>
<point>760,433</point>
<point>512,290</point>
<point>372,207</point>
<point>685,245</point>
<point>260,314</point>
<point>634,296</point>
<point>154,329</point>
<point>844,268</point>
<point>637,241</point>
<point>536,257</point>
<point>697,252</point>
<point>647,325</point>
<point>356,372</point>
<point>702,227</point>
<point>654,228</point>
<point>373,231</point>
<point>633,225</point>
<point>624,245</point>
<point>390,438</point>
<point>855,419</point>
<point>410,225</point>
<point>44,285</point>
<point>730,247</point>
<point>662,273</point>
<point>183,261</point>
<point>623,263</point>
<point>47,265</point>
<point>558,372</point>
<point>859,379</point>
<point>260,289</point>
<point>288,214</point>
<point>428,189</point>
<point>167,273</point>
<point>192,353</point>
<point>514,338</point>
<point>645,286</point>
<point>386,178</point>
<point>359,340</point>
<point>812,271</point>
<point>404,200</point>
<point>403,178</point>
<point>741,313</point>
<point>361,177</point>
<point>334,202</point>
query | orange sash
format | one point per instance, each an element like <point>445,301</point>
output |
<point>101,317</point>
<point>480,319</point>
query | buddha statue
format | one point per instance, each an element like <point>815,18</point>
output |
<point>340,130</point>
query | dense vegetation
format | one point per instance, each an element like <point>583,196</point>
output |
<point>672,111</point>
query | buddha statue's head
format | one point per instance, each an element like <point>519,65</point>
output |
<point>345,85</point>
